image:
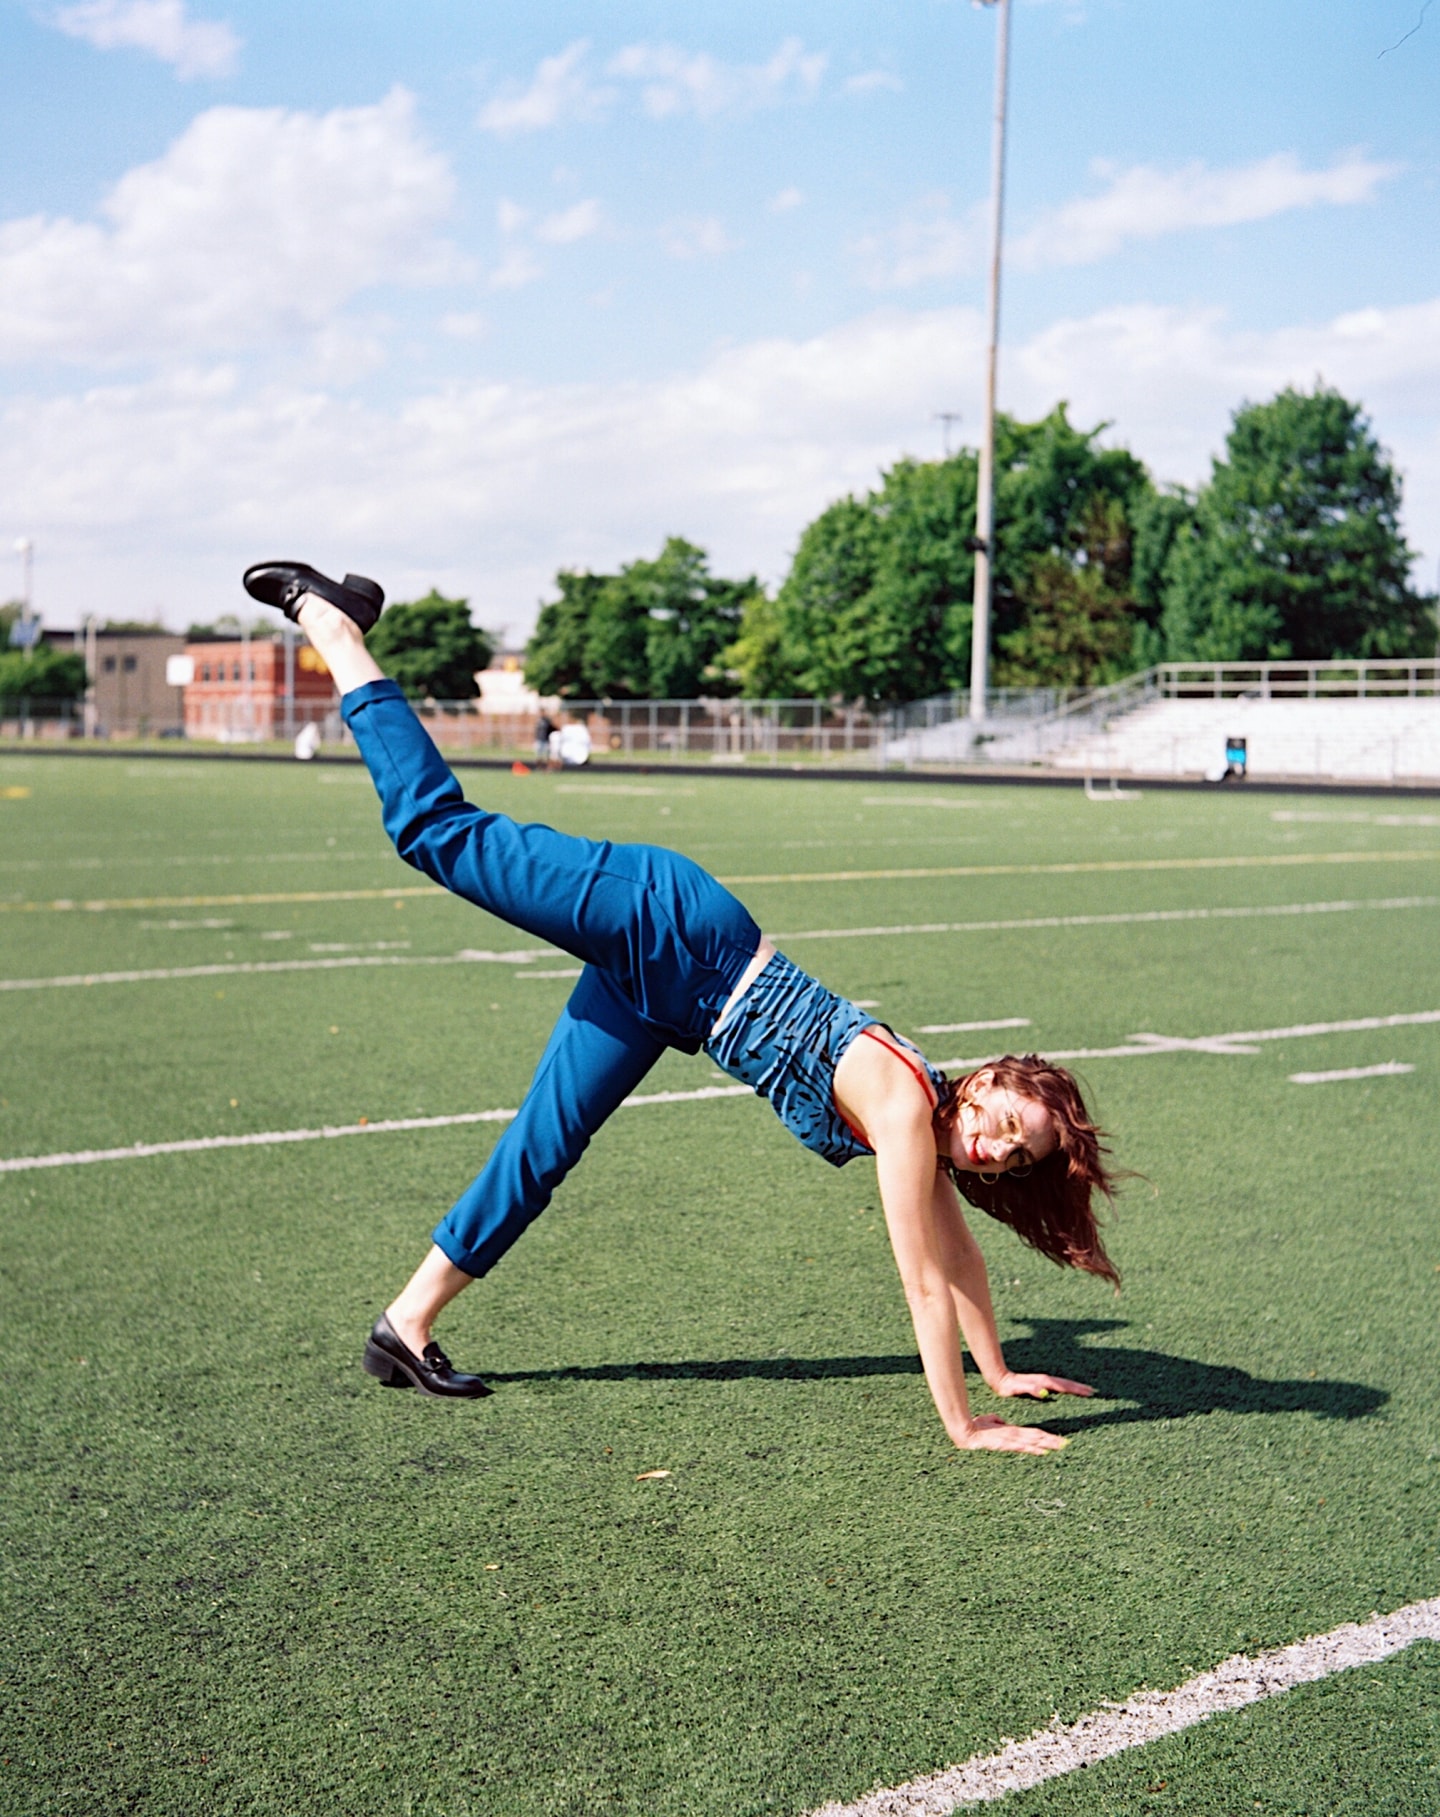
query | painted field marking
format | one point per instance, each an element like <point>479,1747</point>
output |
<point>1261,861</point>
<point>956,1028</point>
<point>624,788</point>
<point>1119,919</point>
<point>1289,814</point>
<point>569,971</point>
<point>1389,1070</point>
<point>1099,866</point>
<point>140,1151</point>
<point>64,904</point>
<point>925,801</point>
<point>254,967</point>
<point>1145,1717</point>
<point>1141,1046</point>
<point>164,974</point>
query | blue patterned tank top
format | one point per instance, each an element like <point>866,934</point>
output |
<point>784,1039</point>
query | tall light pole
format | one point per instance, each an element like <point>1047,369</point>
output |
<point>25,549</point>
<point>985,490</point>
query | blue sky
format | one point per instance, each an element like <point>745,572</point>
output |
<point>457,295</point>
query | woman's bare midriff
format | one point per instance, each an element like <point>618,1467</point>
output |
<point>764,953</point>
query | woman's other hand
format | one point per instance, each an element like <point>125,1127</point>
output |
<point>1038,1387</point>
<point>991,1433</point>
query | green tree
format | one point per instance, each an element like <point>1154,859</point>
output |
<point>659,629</point>
<point>1295,548</point>
<point>1077,627</point>
<point>42,674</point>
<point>878,602</point>
<point>692,617</point>
<point>756,658</point>
<point>555,654</point>
<point>431,648</point>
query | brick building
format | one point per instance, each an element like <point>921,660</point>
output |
<point>242,692</point>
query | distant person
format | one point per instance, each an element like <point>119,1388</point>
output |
<point>544,729</point>
<point>573,745</point>
<point>672,959</point>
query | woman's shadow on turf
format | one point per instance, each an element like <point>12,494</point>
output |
<point>1160,1386</point>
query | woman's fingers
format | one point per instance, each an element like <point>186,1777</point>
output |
<point>1040,1387</point>
<point>1057,1384</point>
<point>1000,1437</point>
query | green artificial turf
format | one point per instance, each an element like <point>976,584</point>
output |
<point>242,1578</point>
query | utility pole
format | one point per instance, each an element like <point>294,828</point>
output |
<point>985,491</point>
<point>945,418</point>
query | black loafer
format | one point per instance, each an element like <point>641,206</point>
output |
<point>397,1366</point>
<point>284,584</point>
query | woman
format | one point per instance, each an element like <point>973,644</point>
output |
<point>672,959</point>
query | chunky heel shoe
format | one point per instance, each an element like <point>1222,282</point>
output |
<point>284,584</point>
<point>395,1364</point>
<point>386,1372</point>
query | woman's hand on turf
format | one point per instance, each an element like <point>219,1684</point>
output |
<point>991,1433</point>
<point>1038,1387</point>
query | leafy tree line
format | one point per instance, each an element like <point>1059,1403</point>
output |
<point>41,673</point>
<point>657,630</point>
<point>1291,549</point>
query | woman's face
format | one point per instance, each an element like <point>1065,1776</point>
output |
<point>996,1130</point>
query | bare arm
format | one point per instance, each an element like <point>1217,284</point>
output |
<point>970,1292</point>
<point>942,1281</point>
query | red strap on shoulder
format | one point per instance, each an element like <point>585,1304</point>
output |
<point>900,1054</point>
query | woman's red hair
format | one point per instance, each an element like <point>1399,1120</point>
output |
<point>1048,1206</point>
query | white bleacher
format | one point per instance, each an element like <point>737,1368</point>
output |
<point>1372,721</point>
<point>1345,740</point>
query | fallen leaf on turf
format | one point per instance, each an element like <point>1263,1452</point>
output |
<point>650,1476</point>
<point>490,1567</point>
<point>364,1121</point>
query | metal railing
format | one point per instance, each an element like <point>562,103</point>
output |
<point>1341,678</point>
<point>25,718</point>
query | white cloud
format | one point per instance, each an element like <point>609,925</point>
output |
<point>486,489</point>
<point>673,81</point>
<point>577,222</point>
<point>869,80</point>
<point>697,237</point>
<point>510,217</point>
<point>518,268</point>
<point>667,80</point>
<point>559,91</point>
<point>464,325</point>
<point>195,47</point>
<point>1142,203</point>
<point>929,242</point>
<point>786,199</point>
<point>255,225</point>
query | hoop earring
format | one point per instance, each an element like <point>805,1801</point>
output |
<point>990,1179</point>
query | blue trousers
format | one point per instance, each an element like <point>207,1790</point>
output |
<point>663,946</point>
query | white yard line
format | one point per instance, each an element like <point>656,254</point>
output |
<point>1243,1041</point>
<point>470,955</point>
<point>1145,1717</point>
<point>140,1151</point>
<point>1141,1046</point>
<point>956,1028</point>
<point>1119,919</point>
<point>1389,1070</point>
<point>247,968</point>
<point>1095,866</point>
